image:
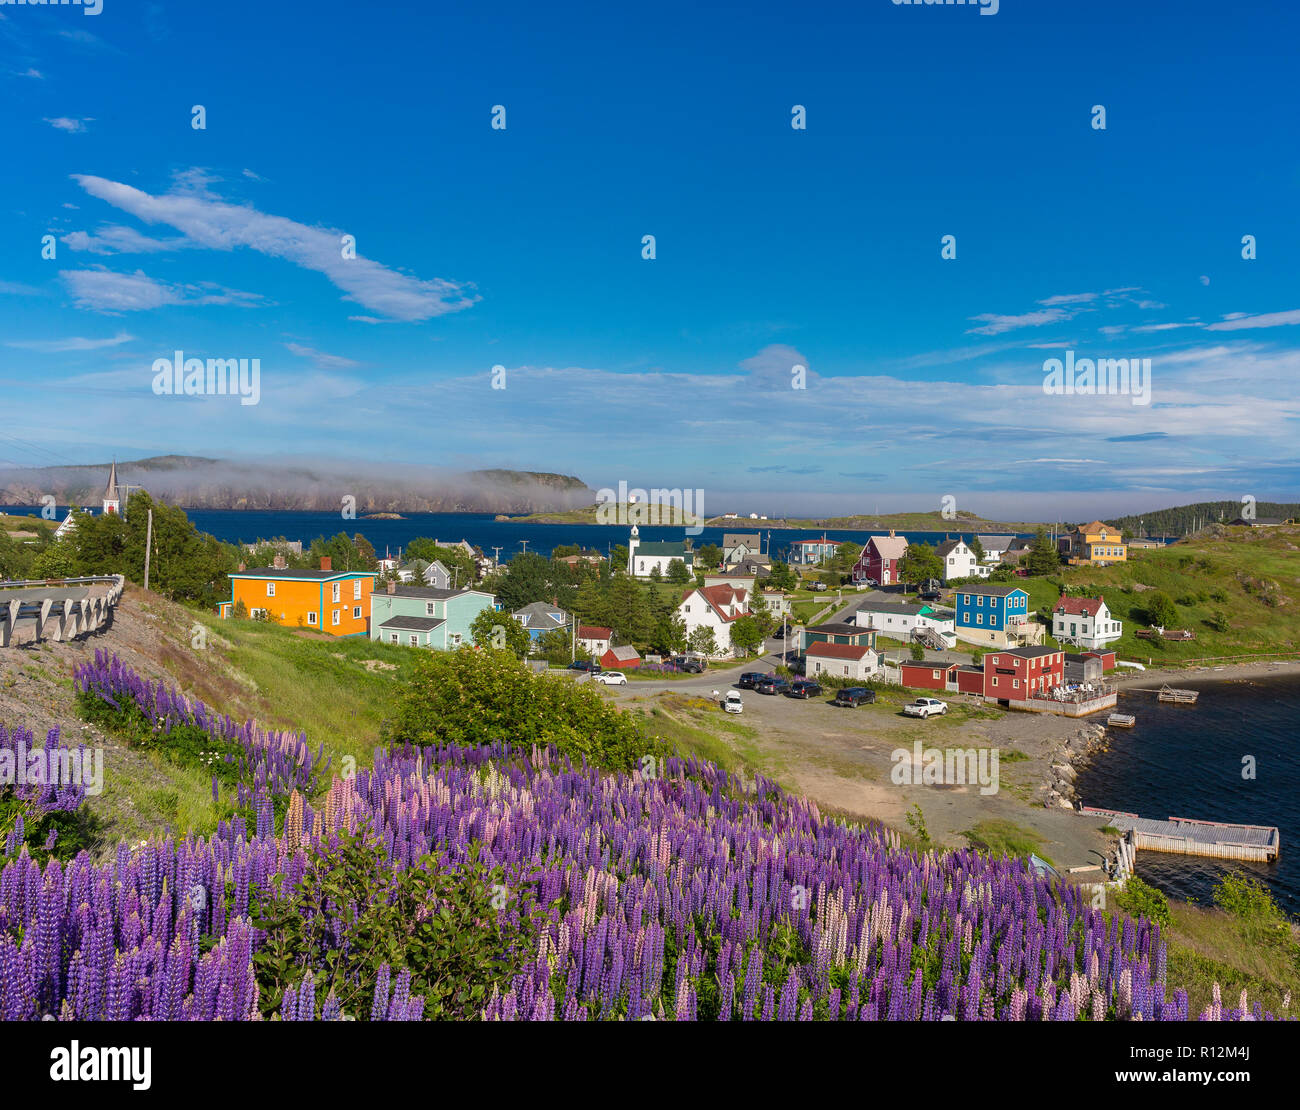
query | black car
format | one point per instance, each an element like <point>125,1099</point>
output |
<point>690,666</point>
<point>771,684</point>
<point>750,679</point>
<point>585,665</point>
<point>779,634</point>
<point>803,688</point>
<point>853,696</point>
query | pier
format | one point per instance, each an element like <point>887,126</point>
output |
<point>1180,697</point>
<point>1185,836</point>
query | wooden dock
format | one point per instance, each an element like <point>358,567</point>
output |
<point>1181,697</point>
<point>1121,720</point>
<point>1184,836</point>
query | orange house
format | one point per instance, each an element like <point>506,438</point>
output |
<point>332,601</point>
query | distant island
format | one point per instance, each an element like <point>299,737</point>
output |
<point>672,516</point>
<point>287,484</point>
<point>383,516</point>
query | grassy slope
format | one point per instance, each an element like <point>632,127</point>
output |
<point>1249,567</point>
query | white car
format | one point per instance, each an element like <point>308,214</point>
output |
<point>611,678</point>
<point>732,703</point>
<point>925,707</point>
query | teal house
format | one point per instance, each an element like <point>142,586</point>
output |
<point>421,616</point>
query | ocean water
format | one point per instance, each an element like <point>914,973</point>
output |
<point>1187,761</point>
<point>480,529</point>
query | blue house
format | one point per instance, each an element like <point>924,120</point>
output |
<point>540,618</point>
<point>995,615</point>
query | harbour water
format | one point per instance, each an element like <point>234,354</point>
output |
<point>1193,761</point>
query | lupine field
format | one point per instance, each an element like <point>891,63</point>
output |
<point>682,895</point>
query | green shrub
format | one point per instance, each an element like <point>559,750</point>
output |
<point>475,697</point>
<point>1141,899</point>
<point>459,930</point>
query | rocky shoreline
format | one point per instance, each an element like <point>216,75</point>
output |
<point>1057,789</point>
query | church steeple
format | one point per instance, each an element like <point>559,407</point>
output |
<point>112,496</point>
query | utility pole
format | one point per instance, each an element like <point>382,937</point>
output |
<point>498,555</point>
<point>148,547</point>
<point>525,544</point>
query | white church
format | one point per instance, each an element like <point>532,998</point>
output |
<point>110,503</point>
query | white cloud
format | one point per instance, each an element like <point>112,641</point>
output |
<point>1070,298</point>
<point>65,123</point>
<point>993,324</point>
<point>321,359</point>
<point>1237,321</point>
<point>106,291</point>
<point>115,239</point>
<point>210,222</point>
<point>57,346</point>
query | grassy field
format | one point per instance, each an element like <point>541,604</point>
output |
<point>30,523</point>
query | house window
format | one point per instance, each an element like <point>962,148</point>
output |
<point>455,639</point>
<point>311,617</point>
<point>356,590</point>
<point>934,674</point>
<point>356,612</point>
<point>1015,683</point>
<point>270,589</point>
<point>337,614</point>
<point>846,668</point>
<point>257,614</point>
<point>336,591</point>
<point>392,636</point>
<point>995,681</point>
<point>994,660</point>
<point>415,640</point>
<point>428,608</point>
<point>979,618</point>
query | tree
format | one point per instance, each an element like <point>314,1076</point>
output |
<point>618,559</point>
<point>702,640</point>
<point>919,563</point>
<point>1042,557</point>
<point>918,652</point>
<point>527,578</point>
<point>710,555</point>
<point>1160,610</point>
<point>56,561</point>
<point>239,610</point>
<point>498,631</point>
<point>656,575</point>
<point>677,572</point>
<point>846,555</point>
<point>746,636</point>
<point>1218,620</point>
<point>565,549</point>
<point>556,645</point>
<point>781,578</point>
<point>977,548</point>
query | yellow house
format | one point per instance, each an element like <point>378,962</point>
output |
<point>1097,545</point>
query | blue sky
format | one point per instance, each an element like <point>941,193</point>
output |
<point>522,247</point>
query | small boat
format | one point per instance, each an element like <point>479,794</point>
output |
<point>1121,720</point>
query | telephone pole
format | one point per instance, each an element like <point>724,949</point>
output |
<point>148,547</point>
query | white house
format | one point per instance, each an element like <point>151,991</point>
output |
<point>739,546</point>
<point>434,574</point>
<point>643,558</point>
<point>900,620</point>
<point>842,660</point>
<point>958,560</point>
<point>714,607</point>
<point>594,639</point>
<point>1085,621</point>
<point>995,547</point>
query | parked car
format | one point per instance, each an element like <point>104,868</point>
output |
<point>749,679</point>
<point>803,688</point>
<point>925,707</point>
<point>819,586</point>
<point>853,696</point>
<point>690,664</point>
<point>779,634</point>
<point>771,684</point>
<point>611,678</point>
<point>732,703</point>
<point>583,665</point>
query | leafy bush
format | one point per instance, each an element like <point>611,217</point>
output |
<point>1218,620</point>
<point>353,919</point>
<point>1141,899</point>
<point>476,697</point>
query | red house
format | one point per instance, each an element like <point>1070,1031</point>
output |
<point>1107,659</point>
<point>879,560</point>
<point>1023,672</point>
<point>928,676</point>
<point>621,658</point>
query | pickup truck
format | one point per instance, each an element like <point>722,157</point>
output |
<point>925,707</point>
<point>853,696</point>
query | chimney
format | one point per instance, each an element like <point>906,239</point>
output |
<point>278,562</point>
<point>392,586</point>
<point>325,563</point>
